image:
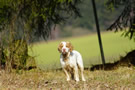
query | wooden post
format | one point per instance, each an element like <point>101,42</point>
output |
<point>98,32</point>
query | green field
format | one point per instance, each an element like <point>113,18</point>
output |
<point>47,56</point>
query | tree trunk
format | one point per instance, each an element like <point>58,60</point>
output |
<point>0,55</point>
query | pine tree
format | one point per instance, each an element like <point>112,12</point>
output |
<point>23,19</point>
<point>126,18</point>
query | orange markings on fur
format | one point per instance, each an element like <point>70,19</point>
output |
<point>60,47</point>
<point>69,45</point>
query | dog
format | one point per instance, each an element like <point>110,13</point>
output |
<point>71,61</point>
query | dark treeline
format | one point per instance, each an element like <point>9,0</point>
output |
<point>106,16</point>
<point>86,22</point>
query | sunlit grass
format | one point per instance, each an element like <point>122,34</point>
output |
<point>114,45</point>
<point>121,79</point>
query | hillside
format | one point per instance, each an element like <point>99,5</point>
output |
<point>114,45</point>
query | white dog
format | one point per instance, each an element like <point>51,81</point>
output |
<point>71,61</point>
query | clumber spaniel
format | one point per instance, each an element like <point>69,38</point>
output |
<point>71,61</point>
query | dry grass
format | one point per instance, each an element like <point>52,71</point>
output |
<point>121,79</point>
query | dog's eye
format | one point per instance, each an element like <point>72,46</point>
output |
<point>67,45</point>
<point>61,46</point>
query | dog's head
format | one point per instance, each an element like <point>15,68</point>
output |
<point>65,47</point>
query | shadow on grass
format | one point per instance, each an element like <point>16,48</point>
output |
<point>128,61</point>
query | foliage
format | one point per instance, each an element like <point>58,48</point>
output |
<point>126,18</point>
<point>37,15</point>
<point>2,57</point>
<point>20,54</point>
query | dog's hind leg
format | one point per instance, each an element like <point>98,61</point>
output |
<point>76,74</point>
<point>81,67</point>
<point>72,73</point>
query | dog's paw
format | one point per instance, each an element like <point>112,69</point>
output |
<point>77,80</point>
<point>83,80</point>
<point>68,79</point>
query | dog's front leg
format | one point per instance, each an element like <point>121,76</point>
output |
<point>65,71</point>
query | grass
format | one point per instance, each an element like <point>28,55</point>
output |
<point>47,56</point>
<point>121,79</point>
<point>114,45</point>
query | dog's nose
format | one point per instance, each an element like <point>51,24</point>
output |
<point>64,49</point>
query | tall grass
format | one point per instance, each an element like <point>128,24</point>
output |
<point>114,46</point>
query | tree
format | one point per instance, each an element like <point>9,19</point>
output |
<point>126,18</point>
<point>23,19</point>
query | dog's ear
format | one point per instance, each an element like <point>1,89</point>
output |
<point>70,46</point>
<point>60,47</point>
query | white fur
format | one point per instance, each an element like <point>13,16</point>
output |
<point>64,47</point>
<point>74,62</point>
